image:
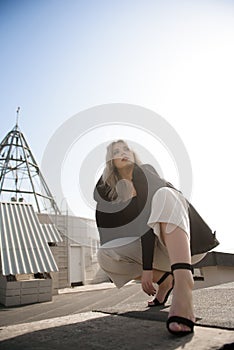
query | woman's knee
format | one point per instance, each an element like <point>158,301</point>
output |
<point>163,232</point>
<point>168,228</point>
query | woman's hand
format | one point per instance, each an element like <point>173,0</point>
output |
<point>147,282</point>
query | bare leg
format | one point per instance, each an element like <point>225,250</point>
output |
<point>164,287</point>
<point>157,274</point>
<point>178,247</point>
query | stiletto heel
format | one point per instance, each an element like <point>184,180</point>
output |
<point>155,301</point>
<point>179,319</point>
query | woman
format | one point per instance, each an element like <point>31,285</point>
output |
<point>144,225</point>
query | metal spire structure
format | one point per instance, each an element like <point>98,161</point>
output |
<point>20,176</point>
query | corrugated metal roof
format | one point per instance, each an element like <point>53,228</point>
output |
<point>51,233</point>
<point>24,248</point>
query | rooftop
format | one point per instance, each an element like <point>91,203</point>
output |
<point>103,317</point>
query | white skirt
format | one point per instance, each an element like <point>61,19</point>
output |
<point>121,259</point>
<point>169,206</point>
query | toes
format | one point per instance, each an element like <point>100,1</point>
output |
<point>177,327</point>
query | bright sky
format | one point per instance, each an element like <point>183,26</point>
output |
<point>60,57</point>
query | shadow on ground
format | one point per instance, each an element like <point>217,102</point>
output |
<point>109,332</point>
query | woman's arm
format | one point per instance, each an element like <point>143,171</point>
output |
<point>147,243</point>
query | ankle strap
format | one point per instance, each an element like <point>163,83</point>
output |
<point>181,266</point>
<point>164,276</point>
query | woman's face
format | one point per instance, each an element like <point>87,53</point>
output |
<point>122,155</point>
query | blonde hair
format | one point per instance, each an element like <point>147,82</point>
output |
<point>110,174</point>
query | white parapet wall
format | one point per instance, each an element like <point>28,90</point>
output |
<point>215,275</point>
<point>25,292</point>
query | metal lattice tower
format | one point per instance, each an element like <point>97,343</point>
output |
<point>20,176</point>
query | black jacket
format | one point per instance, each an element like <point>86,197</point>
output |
<point>129,219</point>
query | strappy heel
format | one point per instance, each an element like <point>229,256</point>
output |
<point>156,302</point>
<point>179,319</point>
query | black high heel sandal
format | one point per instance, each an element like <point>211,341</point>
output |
<point>179,319</point>
<point>155,301</point>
